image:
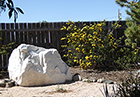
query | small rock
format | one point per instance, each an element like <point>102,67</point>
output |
<point>108,82</point>
<point>94,80</point>
<point>100,80</point>
<point>85,80</point>
<point>7,80</point>
<point>138,71</point>
<point>2,83</point>
<point>76,77</point>
<point>9,84</point>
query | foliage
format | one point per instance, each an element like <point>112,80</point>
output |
<point>133,31</point>
<point>12,9</point>
<point>4,48</point>
<point>130,87</point>
<point>58,89</point>
<point>92,46</point>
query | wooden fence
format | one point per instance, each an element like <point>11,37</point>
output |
<point>46,35</point>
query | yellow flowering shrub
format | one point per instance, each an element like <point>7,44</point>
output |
<point>92,46</point>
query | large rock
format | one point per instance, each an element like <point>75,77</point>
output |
<point>31,66</point>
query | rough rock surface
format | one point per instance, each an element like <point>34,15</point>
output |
<point>30,65</point>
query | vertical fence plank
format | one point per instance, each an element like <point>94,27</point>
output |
<point>30,34</point>
<point>42,35</point>
<point>46,36</point>
<point>34,33</point>
<point>3,34</point>
<point>7,38</point>
<point>17,42</point>
<point>25,33</point>
<point>21,33</point>
<point>3,57</point>
<point>0,46</point>
<point>38,34</point>
<point>13,35</point>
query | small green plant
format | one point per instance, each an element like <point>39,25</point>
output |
<point>88,80</point>
<point>60,89</point>
<point>92,46</point>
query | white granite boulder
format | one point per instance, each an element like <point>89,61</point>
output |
<point>30,65</point>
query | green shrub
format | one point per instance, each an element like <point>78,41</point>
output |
<point>4,48</point>
<point>92,46</point>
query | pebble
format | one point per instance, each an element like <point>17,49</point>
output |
<point>100,80</point>
<point>7,83</point>
<point>85,80</point>
<point>94,80</point>
<point>108,82</point>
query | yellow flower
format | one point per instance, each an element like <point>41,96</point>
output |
<point>101,29</point>
<point>110,35</point>
<point>86,57</point>
<point>63,38</point>
<point>62,28</point>
<point>69,41</point>
<point>73,42</point>
<point>68,23</point>
<point>99,25</point>
<point>83,50</point>
<point>91,56</point>
<point>75,28</point>
<point>100,40</point>
<point>93,44</point>
<point>90,51</point>
<point>69,20</point>
<point>65,55</point>
<point>73,34</point>
<point>115,43</point>
<point>89,39</point>
<point>75,60</point>
<point>69,50</point>
<point>102,45</point>
<point>77,48</point>
<point>95,33</point>
<point>85,67</point>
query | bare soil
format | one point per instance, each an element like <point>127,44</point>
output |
<point>71,89</point>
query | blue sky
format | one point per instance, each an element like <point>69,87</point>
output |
<point>64,10</point>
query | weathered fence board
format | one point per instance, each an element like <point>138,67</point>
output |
<point>46,35</point>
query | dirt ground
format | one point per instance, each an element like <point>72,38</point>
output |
<point>114,75</point>
<point>72,89</point>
